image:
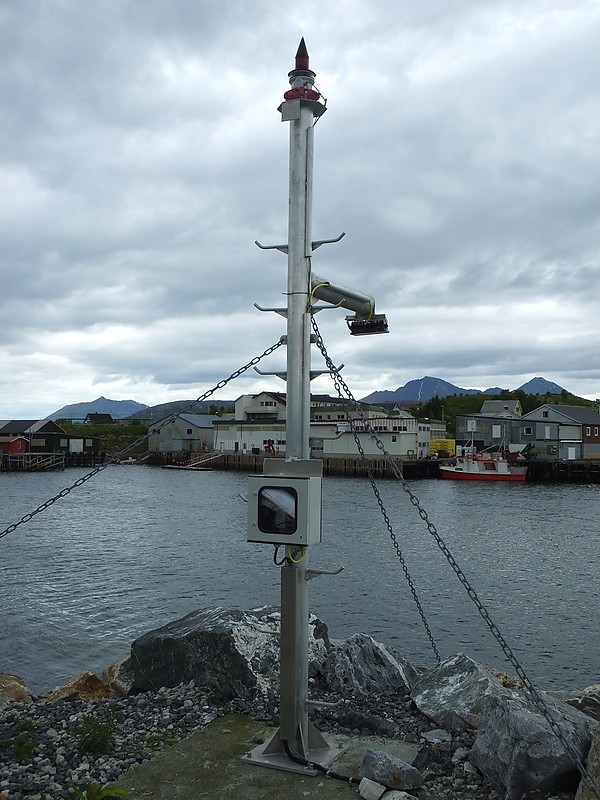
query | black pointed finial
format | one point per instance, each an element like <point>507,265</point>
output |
<point>302,56</point>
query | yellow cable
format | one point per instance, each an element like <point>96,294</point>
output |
<point>318,286</point>
<point>292,559</point>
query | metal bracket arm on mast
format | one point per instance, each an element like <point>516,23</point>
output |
<point>283,248</point>
<point>314,573</point>
<point>314,373</point>
<point>313,309</point>
<point>281,311</point>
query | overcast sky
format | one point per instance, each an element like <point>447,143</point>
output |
<point>141,154</point>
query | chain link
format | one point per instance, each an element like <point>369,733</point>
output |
<point>395,543</point>
<point>342,389</point>
<point>80,481</point>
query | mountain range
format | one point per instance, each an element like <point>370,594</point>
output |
<point>118,409</point>
<point>130,409</point>
<point>426,388</point>
<point>415,391</point>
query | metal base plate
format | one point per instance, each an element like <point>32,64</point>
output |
<point>278,759</point>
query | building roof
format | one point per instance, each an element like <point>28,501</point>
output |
<point>320,399</point>
<point>278,396</point>
<point>582,415</point>
<point>198,420</point>
<point>501,408</point>
<point>21,427</point>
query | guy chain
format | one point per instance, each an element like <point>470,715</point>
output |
<point>340,385</point>
<point>80,481</point>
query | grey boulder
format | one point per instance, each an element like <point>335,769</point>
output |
<point>232,653</point>
<point>361,666</point>
<point>517,749</point>
<point>452,694</point>
<point>387,770</point>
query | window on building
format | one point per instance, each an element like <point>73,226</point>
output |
<point>545,414</point>
<point>394,438</point>
<point>528,430</point>
<point>595,431</point>
<point>188,431</point>
<point>588,431</point>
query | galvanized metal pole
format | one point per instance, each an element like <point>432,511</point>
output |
<point>300,108</point>
<point>297,745</point>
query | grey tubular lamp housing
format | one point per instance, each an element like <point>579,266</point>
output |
<point>365,320</point>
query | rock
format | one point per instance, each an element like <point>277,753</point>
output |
<point>584,792</point>
<point>389,771</point>
<point>452,693</point>
<point>232,653</point>
<point>396,795</point>
<point>119,676</point>
<point>370,790</point>
<point>587,700</point>
<point>13,690</point>
<point>361,666</point>
<point>87,686</point>
<point>460,754</point>
<point>373,723</point>
<point>436,736</point>
<point>515,747</point>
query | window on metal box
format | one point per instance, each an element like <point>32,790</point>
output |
<point>277,509</point>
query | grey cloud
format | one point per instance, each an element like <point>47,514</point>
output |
<point>142,155</point>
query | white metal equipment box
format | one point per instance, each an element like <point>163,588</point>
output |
<point>284,509</point>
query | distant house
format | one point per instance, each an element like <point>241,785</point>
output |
<point>550,432</point>
<point>182,433</point>
<point>561,432</point>
<point>494,427</point>
<point>45,436</point>
<point>14,444</point>
<point>501,408</point>
<point>259,426</point>
<point>98,419</point>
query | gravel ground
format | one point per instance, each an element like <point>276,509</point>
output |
<point>46,749</point>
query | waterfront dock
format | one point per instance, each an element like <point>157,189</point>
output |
<point>583,471</point>
<point>538,472</point>
<point>48,462</point>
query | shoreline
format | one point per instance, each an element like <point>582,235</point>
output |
<point>148,723</point>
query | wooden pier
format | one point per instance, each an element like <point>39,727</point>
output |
<point>564,471</point>
<point>538,472</point>
<point>349,467</point>
<point>48,462</point>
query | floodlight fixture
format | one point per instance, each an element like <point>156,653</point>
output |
<point>363,327</point>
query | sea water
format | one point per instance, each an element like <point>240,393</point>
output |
<point>136,547</point>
